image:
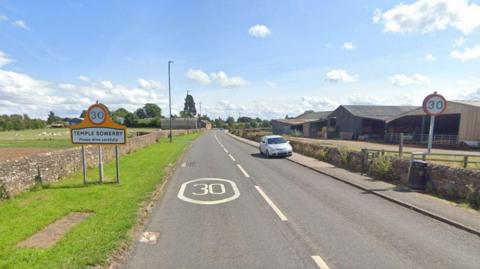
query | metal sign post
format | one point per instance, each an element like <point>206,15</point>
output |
<point>100,164</point>
<point>99,129</point>
<point>430,134</point>
<point>84,165</point>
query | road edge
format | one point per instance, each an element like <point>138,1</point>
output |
<point>386,197</point>
<point>119,257</point>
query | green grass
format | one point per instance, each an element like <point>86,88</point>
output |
<point>115,207</point>
<point>46,138</point>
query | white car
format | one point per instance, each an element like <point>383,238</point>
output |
<point>275,145</point>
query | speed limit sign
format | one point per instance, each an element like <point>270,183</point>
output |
<point>434,104</point>
<point>97,114</point>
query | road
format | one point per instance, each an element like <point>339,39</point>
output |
<point>277,214</point>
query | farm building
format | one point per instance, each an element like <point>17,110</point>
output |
<point>308,124</point>
<point>362,121</point>
<point>459,123</point>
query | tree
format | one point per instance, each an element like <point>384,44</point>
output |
<point>140,113</point>
<point>152,111</point>
<point>230,120</point>
<point>84,114</point>
<point>52,118</point>
<point>121,112</point>
<point>189,107</point>
<point>131,120</point>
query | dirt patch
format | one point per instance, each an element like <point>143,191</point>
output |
<point>14,153</point>
<point>54,232</point>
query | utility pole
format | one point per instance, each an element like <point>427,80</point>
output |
<point>170,100</point>
<point>200,104</point>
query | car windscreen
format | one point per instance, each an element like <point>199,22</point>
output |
<point>276,140</point>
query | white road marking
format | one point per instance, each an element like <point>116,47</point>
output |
<point>243,170</point>
<point>231,157</point>
<point>271,204</point>
<point>149,237</point>
<point>320,262</point>
<point>184,164</point>
<point>226,151</point>
<point>207,189</point>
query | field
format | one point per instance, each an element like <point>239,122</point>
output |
<point>115,209</point>
<point>15,144</point>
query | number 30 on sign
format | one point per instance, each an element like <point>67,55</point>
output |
<point>434,104</point>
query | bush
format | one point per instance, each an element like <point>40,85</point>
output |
<point>381,168</point>
<point>3,193</point>
<point>474,200</point>
<point>296,133</point>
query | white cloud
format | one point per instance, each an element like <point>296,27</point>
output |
<point>340,75</point>
<point>83,78</point>
<point>3,17</point>
<point>349,46</point>
<point>150,84</point>
<point>259,30</point>
<point>20,93</point>
<point>198,76</point>
<point>4,59</point>
<point>459,41</point>
<point>430,15</point>
<point>430,57</point>
<point>106,84</point>
<point>66,86</point>
<point>21,24</point>
<point>466,54</point>
<point>218,77</point>
<point>227,82</point>
<point>271,84</point>
<point>268,110</point>
<point>401,80</point>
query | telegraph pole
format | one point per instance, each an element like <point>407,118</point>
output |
<point>170,99</point>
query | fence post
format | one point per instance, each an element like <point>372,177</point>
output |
<point>465,161</point>
<point>364,160</point>
<point>400,146</point>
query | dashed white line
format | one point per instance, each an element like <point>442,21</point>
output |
<point>231,157</point>
<point>226,151</point>
<point>320,262</point>
<point>243,170</point>
<point>271,204</point>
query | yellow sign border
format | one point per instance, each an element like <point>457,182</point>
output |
<point>107,123</point>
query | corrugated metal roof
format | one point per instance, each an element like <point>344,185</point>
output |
<point>468,102</point>
<point>295,121</point>
<point>378,112</point>
<point>320,115</point>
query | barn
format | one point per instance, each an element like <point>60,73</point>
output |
<point>459,123</point>
<point>308,124</point>
<point>362,121</point>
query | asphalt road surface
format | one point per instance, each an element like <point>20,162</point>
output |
<point>228,207</point>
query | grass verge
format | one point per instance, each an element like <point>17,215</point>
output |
<point>115,206</point>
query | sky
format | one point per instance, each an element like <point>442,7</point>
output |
<point>253,58</point>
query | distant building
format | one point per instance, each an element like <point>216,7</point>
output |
<point>362,121</point>
<point>180,123</point>
<point>308,124</point>
<point>459,123</point>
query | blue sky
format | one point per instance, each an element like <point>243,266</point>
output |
<point>255,58</point>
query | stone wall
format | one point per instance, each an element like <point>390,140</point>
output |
<point>452,183</point>
<point>20,174</point>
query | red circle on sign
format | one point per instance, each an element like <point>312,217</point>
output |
<point>431,104</point>
<point>101,107</point>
